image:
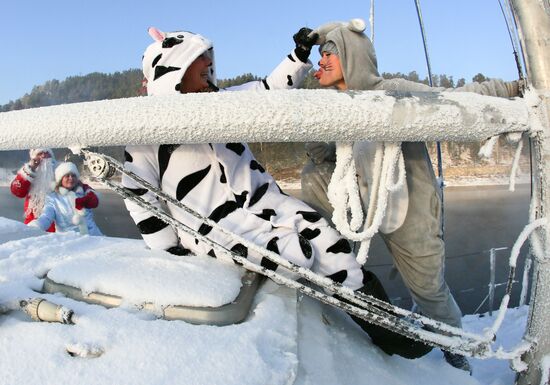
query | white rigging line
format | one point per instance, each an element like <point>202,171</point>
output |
<point>371,21</point>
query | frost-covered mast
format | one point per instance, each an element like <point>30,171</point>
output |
<point>533,17</point>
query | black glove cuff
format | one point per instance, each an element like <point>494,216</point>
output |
<point>302,53</point>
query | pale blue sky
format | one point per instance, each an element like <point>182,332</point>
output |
<point>45,40</point>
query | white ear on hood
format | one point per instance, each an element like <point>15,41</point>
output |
<point>156,34</point>
<point>355,25</point>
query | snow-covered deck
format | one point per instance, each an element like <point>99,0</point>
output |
<point>286,339</point>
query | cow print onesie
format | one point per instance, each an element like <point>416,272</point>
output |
<point>225,183</point>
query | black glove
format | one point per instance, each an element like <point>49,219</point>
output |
<point>178,250</point>
<point>304,42</point>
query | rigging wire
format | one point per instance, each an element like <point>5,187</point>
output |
<point>508,19</point>
<point>438,144</point>
<point>371,20</point>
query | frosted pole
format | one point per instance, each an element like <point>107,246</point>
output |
<point>534,28</point>
<point>269,116</point>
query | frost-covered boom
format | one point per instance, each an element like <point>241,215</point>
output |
<point>275,116</point>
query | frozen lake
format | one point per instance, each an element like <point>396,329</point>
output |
<point>478,218</point>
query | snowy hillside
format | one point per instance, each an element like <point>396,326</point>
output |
<point>287,339</point>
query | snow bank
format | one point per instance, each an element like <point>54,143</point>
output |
<point>274,116</point>
<point>284,341</point>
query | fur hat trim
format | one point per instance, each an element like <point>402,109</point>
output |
<point>35,151</point>
<point>63,169</point>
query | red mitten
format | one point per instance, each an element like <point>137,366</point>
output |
<point>79,203</point>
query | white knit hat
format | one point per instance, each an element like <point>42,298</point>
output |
<point>63,169</point>
<point>35,151</point>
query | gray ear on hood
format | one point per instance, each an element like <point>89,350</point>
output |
<point>355,25</point>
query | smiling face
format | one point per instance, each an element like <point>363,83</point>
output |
<point>195,78</point>
<point>69,181</point>
<point>330,72</point>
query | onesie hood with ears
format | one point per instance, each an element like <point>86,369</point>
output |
<point>355,51</point>
<point>166,60</point>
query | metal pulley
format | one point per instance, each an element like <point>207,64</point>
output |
<point>98,166</point>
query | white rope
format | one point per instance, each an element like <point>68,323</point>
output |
<point>515,164</point>
<point>490,332</point>
<point>486,150</point>
<point>343,193</point>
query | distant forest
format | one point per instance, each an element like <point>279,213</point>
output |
<point>125,84</point>
<point>284,160</point>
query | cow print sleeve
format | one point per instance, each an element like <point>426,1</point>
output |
<point>290,73</point>
<point>142,160</point>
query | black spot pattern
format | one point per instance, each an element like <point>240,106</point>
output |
<point>310,216</point>
<point>258,194</point>
<point>265,84</point>
<point>178,87</point>
<point>289,82</point>
<point>281,190</point>
<point>267,214</point>
<point>310,234</point>
<point>342,246</point>
<point>128,157</point>
<point>151,225</point>
<point>223,178</point>
<point>254,165</point>
<point>240,249</point>
<point>241,198</point>
<point>212,253</point>
<point>339,276</point>
<point>189,182</point>
<point>219,213</point>
<point>156,60</point>
<point>305,246</point>
<point>169,42</point>
<point>162,70</point>
<point>237,148</point>
<point>271,246</point>
<point>196,241</point>
<point>137,191</point>
<point>165,152</point>
<point>289,56</point>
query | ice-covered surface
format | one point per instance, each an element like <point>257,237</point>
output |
<point>284,341</point>
<point>280,115</point>
<point>138,275</point>
<point>6,176</point>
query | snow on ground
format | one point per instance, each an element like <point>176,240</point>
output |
<point>287,339</point>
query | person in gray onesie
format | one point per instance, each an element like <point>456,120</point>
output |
<point>413,234</point>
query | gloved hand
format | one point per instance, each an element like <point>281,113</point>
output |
<point>88,201</point>
<point>80,203</point>
<point>304,42</point>
<point>319,152</point>
<point>178,250</point>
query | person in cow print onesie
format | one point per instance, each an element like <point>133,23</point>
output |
<point>226,184</point>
